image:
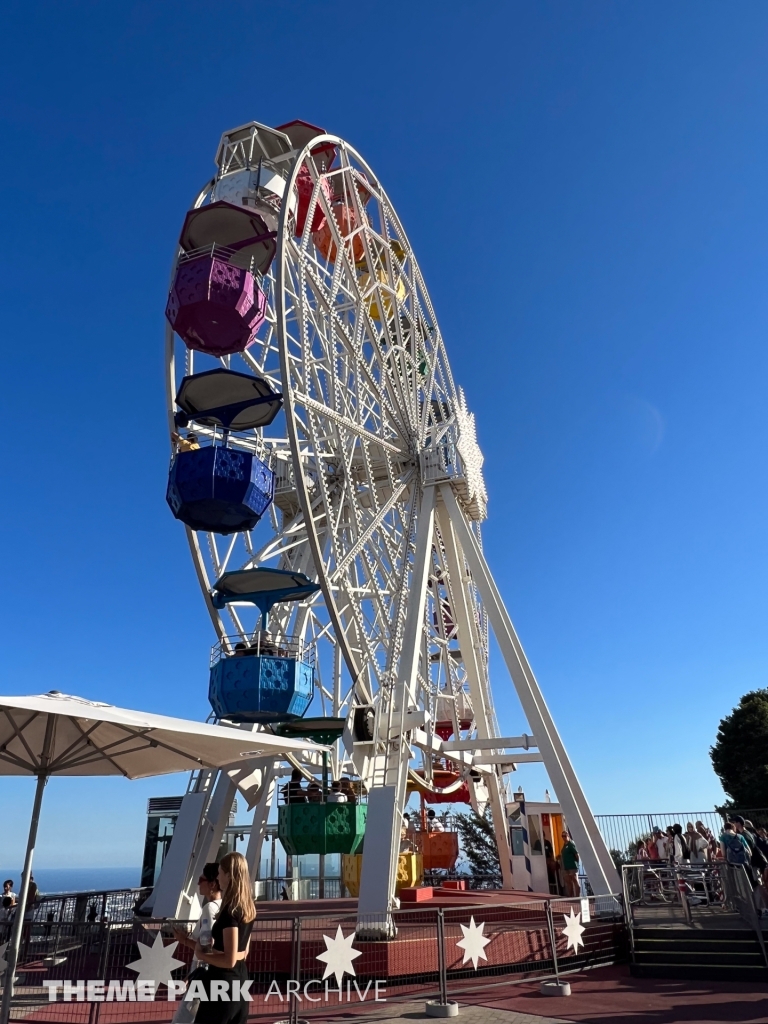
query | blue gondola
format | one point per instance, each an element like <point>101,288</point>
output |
<point>221,488</point>
<point>265,677</point>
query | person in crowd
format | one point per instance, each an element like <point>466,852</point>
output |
<point>29,910</point>
<point>406,846</point>
<point>208,887</point>
<point>758,859</point>
<point>433,823</point>
<point>551,862</point>
<point>348,790</point>
<point>7,910</point>
<point>569,860</point>
<point>755,859</point>
<point>231,936</point>
<point>660,842</point>
<point>761,841</point>
<point>652,850</point>
<point>739,826</point>
<point>734,847</point>
<point>681,851</point>
<point>697,845</point>
<point>210,893</point>
<point>296,793</point>
<point>712,844</point>
<point>185,444</point>
<point>314,792</point>
<point>336,796</point>
<point>642,855</point>
<point>8,889</point>
<point>760,896</point>
<point>31,891</point>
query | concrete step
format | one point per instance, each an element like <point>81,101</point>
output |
<point>720,954</point>
<point>717,957</point>
<point>699,972</point>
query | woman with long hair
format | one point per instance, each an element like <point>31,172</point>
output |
<point>231,935</point>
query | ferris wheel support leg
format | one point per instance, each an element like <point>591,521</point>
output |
<point>592,849</point>
<point>386,803</point>
<point>259,826</point>
<point>470,648</point>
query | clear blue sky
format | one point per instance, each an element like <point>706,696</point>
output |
<point>585,187</point>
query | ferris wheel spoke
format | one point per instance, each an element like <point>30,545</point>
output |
<point>341,332</point>
<point>373,526</point>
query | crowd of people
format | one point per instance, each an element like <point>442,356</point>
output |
<point>342,791</point>
<point>740,842</point>
<point>9,902</point>
<point>696,845</point>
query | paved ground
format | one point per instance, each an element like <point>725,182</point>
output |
<point>608,995</point>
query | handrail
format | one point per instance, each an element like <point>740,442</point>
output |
<point>263,642</point>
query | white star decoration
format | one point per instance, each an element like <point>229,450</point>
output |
<point>338,955</point>
<point>470,453</point>
<point>473,942</point>
<point>157,961</point>
<point>572,931</point>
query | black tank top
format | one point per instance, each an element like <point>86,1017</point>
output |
<point>228,920</point>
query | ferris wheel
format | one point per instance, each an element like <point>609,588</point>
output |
<point>328,473</point>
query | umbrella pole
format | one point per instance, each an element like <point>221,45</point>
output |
<point>12,953</point>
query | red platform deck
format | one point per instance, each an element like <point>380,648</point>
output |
<point>441,898</point>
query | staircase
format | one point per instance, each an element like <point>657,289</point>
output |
<point>716,954</point>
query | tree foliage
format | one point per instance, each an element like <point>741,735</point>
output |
<point>478,844</point>
<point>740,754</point>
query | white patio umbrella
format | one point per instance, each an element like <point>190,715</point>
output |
<point>56,734</point>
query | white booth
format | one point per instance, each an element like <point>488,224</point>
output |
<point>545,827</point>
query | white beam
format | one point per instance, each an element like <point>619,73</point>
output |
<point>528,758</point>
<point>592,850</point>
<point>385,803</point>
<point>471,647</point>
<point>489,743</point>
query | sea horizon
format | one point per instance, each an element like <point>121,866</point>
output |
<point>77,879</point>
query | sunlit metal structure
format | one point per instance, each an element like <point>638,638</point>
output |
<point>377,496</point>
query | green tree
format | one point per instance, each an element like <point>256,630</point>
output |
<point>478,844</point>
<point>740,754</point>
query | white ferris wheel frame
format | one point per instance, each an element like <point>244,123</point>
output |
<point>404,581</point>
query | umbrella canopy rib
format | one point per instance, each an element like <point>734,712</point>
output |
<point>34,762</point>
<point>76,744</point>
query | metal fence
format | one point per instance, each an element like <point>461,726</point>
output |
<point>89,907</point>
<point>431,953</point>
<point>621,832</point>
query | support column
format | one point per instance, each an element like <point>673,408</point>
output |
<point>581,823</point>
<point>469,641</point>
<point>385,803</point>
<point>18,922</point>
<point>196,840</point>
<point>259,826</point>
